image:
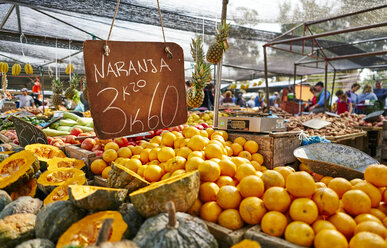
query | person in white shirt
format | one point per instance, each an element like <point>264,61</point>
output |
<point>25,100</point>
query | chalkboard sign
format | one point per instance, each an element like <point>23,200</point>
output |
<point>136,88</point>
<point>27,133</point>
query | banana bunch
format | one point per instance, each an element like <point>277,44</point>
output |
<point>245,86</point>
<point>259,83</point>
<point>4,67</point>
<point>233,86</point>
<point>4,83</point>
<point>28,69</point>
<point>255,84</point>
<point>69,68</point>
<point>16,69</point>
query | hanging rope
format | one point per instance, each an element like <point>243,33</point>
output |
<point>106,47</point>
<point>56,59</point>
<point>21,41</point>
<point>167,50</point>
<point>70,59</point>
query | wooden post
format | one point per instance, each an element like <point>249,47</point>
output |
<point>219,71</point>
<point>325,86</point>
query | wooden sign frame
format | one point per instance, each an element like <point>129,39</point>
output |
<point>136,88</point>
<point>27,133</point>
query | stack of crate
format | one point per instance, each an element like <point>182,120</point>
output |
<point>384,145</point>
<point>375,146</point>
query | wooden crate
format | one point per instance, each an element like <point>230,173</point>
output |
<point>276,148</point>
<point>255,233</point>
<point>226,237</point>
<point>79,153</point>
<point>356,140</point>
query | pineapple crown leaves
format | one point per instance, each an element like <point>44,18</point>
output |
<point>201,75</point>
<point>222,32</point>
<point>57,86</point>
<point>75,80</point>
<point>197,49</point>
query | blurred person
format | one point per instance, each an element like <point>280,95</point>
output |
<point>208,101</point>
<point>380,92</point>
<point>320,98</point>
<point>259,100</point>
<point>352,94</point>
<point>273,98</point>
<point>344,103</point>
<point>367,94</point>
<point>240,101</point>
<point>221,97</point>
<point>276,102</point>
<point>25,100</point>
<point>228,97</point>
<point>250,103</point>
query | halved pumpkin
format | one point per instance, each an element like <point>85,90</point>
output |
<point>57,163</point>
<point>96,198</point>
<point>50,179</point>
<point>60,193</point>
<point>45,153</point>
<point>17,169</point>
<point>25,189</point>
<point>85,231</point>
<point>121,177</point>
<point>183,190</point>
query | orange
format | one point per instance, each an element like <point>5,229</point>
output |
<point>251,186</point>
<point>156,162</point>
<point>124,152</point>
<point>299,233</point>
<point>385,195</point>
<point>176,163</point>
<point>272,178</point>
<point>120,160</point>
<point>228,197</point>
<point>277,199</point>
<point>156,140</point>
<point>344,223</point>
<point>252,210</point>
<point>221,133</point>
<point>203,133</point>
<point>383,208</point>
<point>136,150</point>
<point>197,143</point>
<point>190,131</point>
<point>105,172</point>
<point>230,219</point>
<point>178,172</point>
<point>284,171</point>
<point>251,146</point>
<point>184,152</point>
<point>329,239</point>
<point>195,209</point>
<point>166,176</point>
<point>240,140</point>
<point>318,177</point>
<point>193,163</point>
<point>356,202</point>
<point>97,166</point>
<point>376,174</point>
<point>229,151</point>
<point>167,139</point>
<point>385,222</point>
<point>112,145</point>
<point>340,185</point>
<point>367,240</point>
<point>177,134</point>
<point>256,165</point>
<point>236,148</point>
<point>209,171</point>
<point>366,217</point>
<point>326,180</point>
<point>210,211</point>
<point>320,225</point>
<point>165,154</point>
<point>144,155</point>
<point>225,180</point>
<point>258,158</point>
<point>245,154</point>
<point>179,142</point>
<point>153,153</point>
<point>227,167</point>
<point>304,167</point>
<point>327,201</point>
<point>238,161</point>
<point>199,154</point>
<point>300,184</point>
<point>153,173</point>
<point>355,181</point>
<point>244,170</point>
<point>213,150</point>
<point>133,164</point>
<point>274,223</point>
<point>372,192</point>
<point>209,131</point>
<point>303,209</point>
<point>109,155</point>
<point>378,213</point>
<point>247,243</point>
<point>373,227</point>
<point>321,185</point>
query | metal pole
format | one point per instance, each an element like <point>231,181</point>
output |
<point>42,84</point>
<point>219,71</point>
<point>18,19</point>
<point>294,88</point>
<point>326,85</point>
<point>266,80</point>
<point>333,88</point>
<point>7,16</point>
<point>300,108</point>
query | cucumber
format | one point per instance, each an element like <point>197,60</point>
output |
<point>64,128</point>
<point>53,132</point>
<point>91,124</point>
<point>84,129</point>
<point>67,122</point>
<point>83,121</point>
<point>71,116</point>
<point>54,125</point>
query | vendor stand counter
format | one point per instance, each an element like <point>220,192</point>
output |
<point>355,140</point>
<point>276,147</point>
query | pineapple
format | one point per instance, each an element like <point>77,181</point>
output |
<point>71,91</point>
<point>197,50</point>
<point>216,49</point>
<point>57,88</point>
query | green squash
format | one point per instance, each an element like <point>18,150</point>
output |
<point>132,218</point>
<point>174,230</point>
<point>15,229</point>
<point>37,243</point>
<point>55,218</point>
<point>5,199</point>
<point>24,204</point>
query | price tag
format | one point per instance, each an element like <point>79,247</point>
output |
<point>27,133</point>
<point>136,88</point>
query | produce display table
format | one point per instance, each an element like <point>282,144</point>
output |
<point>374,141</point>
<point>355,140</point>
<point>276,148</point>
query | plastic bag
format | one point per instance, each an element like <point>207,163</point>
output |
<point>307,140</point>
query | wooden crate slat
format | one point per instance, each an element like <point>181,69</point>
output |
<point>255,233</point>
<point>226,237</point>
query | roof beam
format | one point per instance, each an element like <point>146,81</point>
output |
<point>7,16</point>
<point>18,19</point>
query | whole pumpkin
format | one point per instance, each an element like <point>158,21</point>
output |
<point>5,199</point>
<point>174,230</point>
<point>24,204</point>
<point>37,243</point>
<point>16,228</point>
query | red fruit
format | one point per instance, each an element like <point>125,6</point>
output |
<point>49,140</point>
<point>83,135</point>
<point>139,138</point>
<point>98,153</point>
<point>159,132</point>
<point>88,144</point>
<point>121,142</point>
<point>58,143</point>
<point>205,125</point>
<point>97,148</point>
<point>151,134</point>
<point>132,143</point>
<point>200,127</point>
<point>76,131</point>
<point>71,139</point>
<point>16,141</point>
